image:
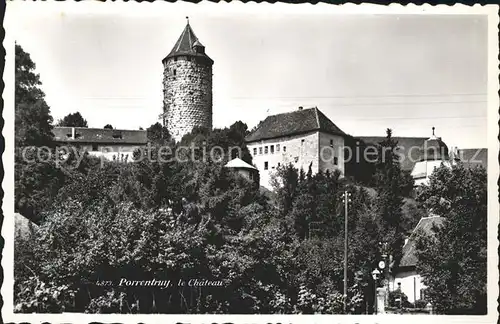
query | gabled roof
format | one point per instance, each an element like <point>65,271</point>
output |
<point>99,135</point>
<point>294,123</point>
<point>409,147</point>
<point>238,163</point>
<point>424,226</point>
<point>186,43</point>
<point>474,157</point>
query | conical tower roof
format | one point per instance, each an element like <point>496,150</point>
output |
<point>188,45</point>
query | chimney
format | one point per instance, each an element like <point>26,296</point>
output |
<point>300,107</point>
<point>72,132</point>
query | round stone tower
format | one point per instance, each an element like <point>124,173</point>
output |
<point>187,86</point>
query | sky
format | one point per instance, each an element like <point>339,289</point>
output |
<point>367,73</point>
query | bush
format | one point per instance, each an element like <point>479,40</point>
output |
<point>421,303</point>
<point>394,299</point>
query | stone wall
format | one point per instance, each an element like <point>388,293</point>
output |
<point>187,93</point>
<point>331,153</point>
<point>299,150</point>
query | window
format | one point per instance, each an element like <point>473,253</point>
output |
<point>266,165</point>
<point>95,147</point>
<point>260,150</point>
<point>277,147</point>
<point>284,148</point>
<point>266,149</point>
<point>272,149</point>
<point>335,160</point>
<point>255,151</point>
<point>331,143</point>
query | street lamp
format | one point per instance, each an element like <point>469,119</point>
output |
<point>375,276</point>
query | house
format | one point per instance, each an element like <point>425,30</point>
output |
<point>244,169</point>
<point>113,144</point>
<point>406,273</point>
<point>421,155</point>
<point>304,137</point>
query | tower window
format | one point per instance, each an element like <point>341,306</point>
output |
<point>266,165</point>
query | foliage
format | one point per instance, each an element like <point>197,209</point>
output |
<point>33,122</point>
<point>391,184</point>
<point>73,120</point>
<point>158,134</point>
<point>453,260</point>
<point>421,303</point>
<point>398,298</point>
<point>108,126</point>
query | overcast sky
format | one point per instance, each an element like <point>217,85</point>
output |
<point>366,72</point>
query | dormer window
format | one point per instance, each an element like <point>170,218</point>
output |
<point>198,48</point>
<point>117,135</point>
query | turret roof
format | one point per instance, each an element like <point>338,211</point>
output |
<point>185,45</point>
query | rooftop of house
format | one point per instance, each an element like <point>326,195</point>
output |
<point>238,163</point>
<point>409,147</point>
<point>474,157</point>
<point>188,45</point>
<point>83,135</point>
<point>424,227</point>
<point>294,123</point>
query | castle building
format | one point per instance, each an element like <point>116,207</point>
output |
<point>305,137</point>
<point>187,86</point>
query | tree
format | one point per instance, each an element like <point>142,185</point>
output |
<point>73,120</point>
<point>33,122</point>
<point>453,260</point>
<point>108,126</point>
<point>390,183</point>
<point>158,134</point>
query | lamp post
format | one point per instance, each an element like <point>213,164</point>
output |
<point>346,198</point>
<point>375,276</point>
